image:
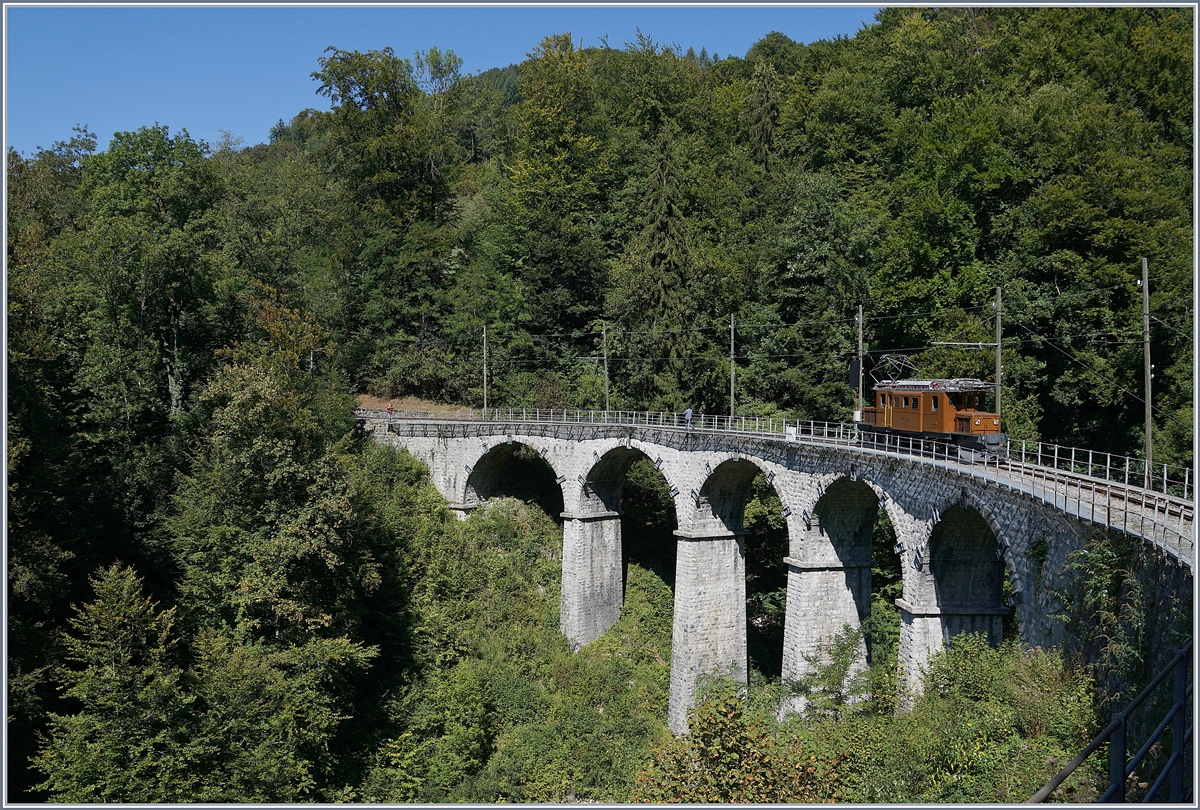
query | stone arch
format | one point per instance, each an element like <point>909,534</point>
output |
<point>829,571</point>
<point>963,566</point>
<point>901,519</point>
<point>966,499</point>
<point>593,589</point>
<point>486,477</point>
<point>1005,545</point>
<point>606,491</point>
<point>606,473</point>
<point>956,587</point>
<point>720,502</point>
<point>840,521</point>
<point>710,585</point>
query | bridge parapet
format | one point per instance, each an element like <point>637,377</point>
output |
<point>1169,479</point>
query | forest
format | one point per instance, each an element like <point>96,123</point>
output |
<point>218,592</point>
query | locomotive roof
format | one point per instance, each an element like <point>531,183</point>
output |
<point>957,385</point>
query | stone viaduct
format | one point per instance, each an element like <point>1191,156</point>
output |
<point>959,528</point>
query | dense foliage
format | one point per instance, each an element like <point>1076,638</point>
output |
<point>991,726</point>
<point>217,592</point>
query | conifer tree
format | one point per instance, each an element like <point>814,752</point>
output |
<point>128,741</point>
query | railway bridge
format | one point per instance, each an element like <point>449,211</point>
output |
<point>961,525</point>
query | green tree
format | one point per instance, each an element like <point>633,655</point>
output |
<point>263,720</point>
<point>544,235</point>
<point>762,113</point>
<point>128,741</point>
<point>137,329</point>
<point>727,758</point>
<point>390,142</point>
<point>654,295</point>
<point>44,495</point>
<point>278,560</point>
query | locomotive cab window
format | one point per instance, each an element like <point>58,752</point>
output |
<point>906,402</point>
<point>935,403</point>
<point>916,403</point>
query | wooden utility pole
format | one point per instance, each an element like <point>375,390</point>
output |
<point>485,370</point>
<point>998,352</point>
<point>1147,367</point>
<point>604,338</point>
<point>731,371</point>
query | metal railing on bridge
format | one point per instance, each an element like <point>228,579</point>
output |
<point>1115,734</point>
<point>1161,517</point>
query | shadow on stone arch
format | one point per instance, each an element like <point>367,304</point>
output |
<point>967,576</point>
<point>741,499</point>
<point>517,471</point>
<point>846,516</point>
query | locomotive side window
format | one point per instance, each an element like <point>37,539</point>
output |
<point>916,403</point>
<point>935,403</point>
<point>906,402</point>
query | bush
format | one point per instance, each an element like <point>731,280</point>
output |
<point>727,757</point>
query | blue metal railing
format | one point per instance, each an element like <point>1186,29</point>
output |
<point>1119,768</point>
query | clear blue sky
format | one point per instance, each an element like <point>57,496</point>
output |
<point>243,68</point>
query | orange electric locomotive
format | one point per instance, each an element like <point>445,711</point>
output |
<point>943,410</point>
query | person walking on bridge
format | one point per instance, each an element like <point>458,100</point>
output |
<point>687,419</point>
<point>389,414</point>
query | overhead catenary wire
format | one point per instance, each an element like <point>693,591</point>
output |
<point>1035,339</point>
<point>1111,337</point>
<point>1169,327</point>
<point>1008,342</point>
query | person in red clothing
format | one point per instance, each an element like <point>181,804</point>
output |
<point>389,413</point>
